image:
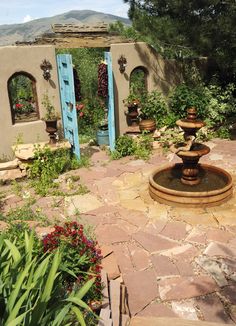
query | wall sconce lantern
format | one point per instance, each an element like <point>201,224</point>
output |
<point>122,63</point>
<point>46,67</point>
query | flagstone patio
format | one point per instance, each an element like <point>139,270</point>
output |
<point>175,262</point>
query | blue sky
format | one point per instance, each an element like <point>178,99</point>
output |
<point>19,11</point>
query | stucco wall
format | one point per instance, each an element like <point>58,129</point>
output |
<point>162,74</point>
<point>25,59</point>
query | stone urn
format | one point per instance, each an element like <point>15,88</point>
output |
<point>133,114</point>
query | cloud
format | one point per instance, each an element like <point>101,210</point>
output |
<point>27,19</point>
<point>122,12</point>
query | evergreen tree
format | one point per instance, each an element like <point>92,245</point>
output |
<point>190,27</point>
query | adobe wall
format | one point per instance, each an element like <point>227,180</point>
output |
<point>162,74</point>
<point>25,59</point>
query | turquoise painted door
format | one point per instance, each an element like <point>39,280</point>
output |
<point>110,103</point>
<point>67,92</point>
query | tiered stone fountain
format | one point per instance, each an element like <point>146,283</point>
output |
<point>190,184</point>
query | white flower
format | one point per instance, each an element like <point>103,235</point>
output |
<point>26,194</point>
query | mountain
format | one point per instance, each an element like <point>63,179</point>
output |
<point>9,34</point>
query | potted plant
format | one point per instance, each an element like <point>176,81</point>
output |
<point>153,106</point>
<point>132,103</point>
<point>102,134</point>
<point>50,118</point>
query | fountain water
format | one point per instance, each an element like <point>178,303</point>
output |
<point>190,184</point>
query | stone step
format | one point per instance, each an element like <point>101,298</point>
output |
<point>10,165</point>
<point>153,321</point>
<point>13,174</point>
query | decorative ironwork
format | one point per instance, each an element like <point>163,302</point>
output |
<point>46,66</point>
<point>122,63</point>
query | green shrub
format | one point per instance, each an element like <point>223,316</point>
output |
<point>24,213</point>
<point>32,291</point>
<point>168,120</point>
<point>16,234</point>
<point>223,132</point>
<point>184,97</point>
<point>48,165</point>
<point>221,107</point>
<point>215,104</point>
<point>154,107</point>
<point>143,148</point>
<point>124,146</point>
<point>91,112</point>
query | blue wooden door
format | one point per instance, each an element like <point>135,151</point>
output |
<point>67,92</point>
<point>110,103</point>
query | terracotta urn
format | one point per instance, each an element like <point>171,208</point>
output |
<point>148,125</point>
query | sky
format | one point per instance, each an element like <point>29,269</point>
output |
<point>21,11</point>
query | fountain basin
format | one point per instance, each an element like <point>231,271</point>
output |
<point>197,151</point>
<point>216,187</point>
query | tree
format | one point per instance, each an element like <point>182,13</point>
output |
<point>190,27</point>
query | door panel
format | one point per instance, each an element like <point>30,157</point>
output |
<point>69,114</point>
<point>110,103</point>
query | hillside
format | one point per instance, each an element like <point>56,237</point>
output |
<point>9,34</point>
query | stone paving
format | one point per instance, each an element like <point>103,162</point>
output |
<point>175,262</point>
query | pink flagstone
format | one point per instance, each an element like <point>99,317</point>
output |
<point>142,289</point>
<point>177,288</point>
<point>153,243</point>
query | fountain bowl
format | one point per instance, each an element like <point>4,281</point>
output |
<point>215,188</point>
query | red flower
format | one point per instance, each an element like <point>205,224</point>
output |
<point>79,106</point>
<point>81,114</point>
<point>19,106</point>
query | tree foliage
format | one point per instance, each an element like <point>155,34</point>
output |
<point>190,27</point>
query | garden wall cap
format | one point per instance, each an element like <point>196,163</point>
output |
<point>26,151</point>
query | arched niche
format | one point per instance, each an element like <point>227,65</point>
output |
<point>23,97</point>
<point>138,80</point>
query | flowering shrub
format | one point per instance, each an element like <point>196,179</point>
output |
<point>18,106</point>
<point>79,254</point>
<point>23,107</point>
<point>79,108</point>
<point>32,290</point>
<point>90,115</point>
